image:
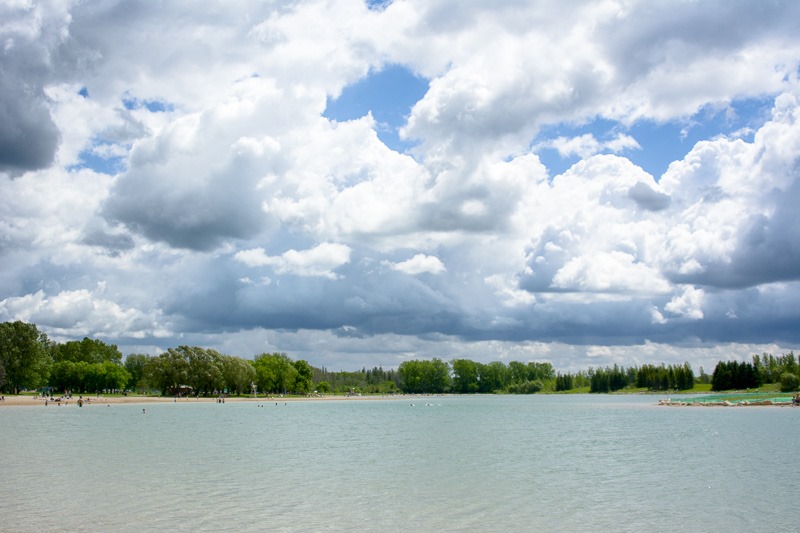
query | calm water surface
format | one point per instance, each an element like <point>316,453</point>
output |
<point>531,463</point>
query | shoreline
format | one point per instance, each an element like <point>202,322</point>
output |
<point>88,400</point>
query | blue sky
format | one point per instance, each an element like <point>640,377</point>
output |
<point>661,143</point>
<point>360,184</point>
<point>389,94</point>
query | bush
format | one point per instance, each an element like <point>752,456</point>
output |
<point>528,387</point>
<point>789,382</point>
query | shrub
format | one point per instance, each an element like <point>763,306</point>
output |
<point>789,382</point>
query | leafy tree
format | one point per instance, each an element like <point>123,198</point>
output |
<point>540,371</point>
<point>168,371</point>
<point>493,377</point>
<point>87,350</point>
<point>517,372</point>
<point>425,377</point>
<point>275,373</point>
<point>203,374</point>
<point>86,377</point>
<point>439,376</point>
<point>789,382</point>
<point>24,355</point>
<point>412,376</point>
<point>237,373</point>
<point>135,364</point>
<point>465,376</point>
<point>527,387</point>
<point>304,377</point>
<point>323,387</point>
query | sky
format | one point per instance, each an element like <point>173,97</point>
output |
<point>359,183</point>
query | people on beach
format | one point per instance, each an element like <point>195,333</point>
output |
<point>796,399</point>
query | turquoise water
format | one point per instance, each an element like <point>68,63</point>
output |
<point>528,463</point>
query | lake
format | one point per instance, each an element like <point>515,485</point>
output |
<point>456,463</point>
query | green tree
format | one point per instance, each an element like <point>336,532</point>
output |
<point>412,377</point>
<point>167,371</point>
<point>564,382</point>
<point>304,377</point>
<point>425,377</point>
<point>203,373</point>
<point>275,373</point>
<point>494,377</point>
<point>735,375</point>
<point>87,350</point>
<point>135,364</point>
<point>540,371</point>
<point>789,382</point>
<point>518,372</point>
<point>24,355</point>
<point>237,373</point>
<point>527,387</point>
<point>465,376</point>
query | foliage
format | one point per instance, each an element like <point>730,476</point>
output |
<point>28,359</point>
<point>465,376</point>
<point>735,375</point>
<point>24,356</point>
<point>680,377</point>
<point>564,382</point>
<point>789,382</point>
<point>135,365</point>
<point>168,371</point>
<point>374,381</point>
<point>87,350</point>
<point>608,380</point>
<point>86,377</point>
<point>276,373</point>
<point>771,368</point>
<point>526,387</point>
<point>205,371</point>
<point>238,375</point>
<point>429,377</point>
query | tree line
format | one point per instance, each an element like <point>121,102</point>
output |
<point>764,368</point>
<point>29,360</point>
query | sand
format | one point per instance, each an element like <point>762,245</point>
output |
<point>24,400</point>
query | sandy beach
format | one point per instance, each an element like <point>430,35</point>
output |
<point>31,401</point>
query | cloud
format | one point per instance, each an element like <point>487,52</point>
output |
<point>647,197</point>
<point>179,156</point>
<point>320,261</point>
<point>70,313</point>
<point>419,264</point>
<point>587,145</point>
<point>30,34</point>
<point>733,230</point>
<point>688,304</point>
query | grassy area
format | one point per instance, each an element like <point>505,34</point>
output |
<point>744,397</point>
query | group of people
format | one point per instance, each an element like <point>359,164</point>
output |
<point>796,399</point>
